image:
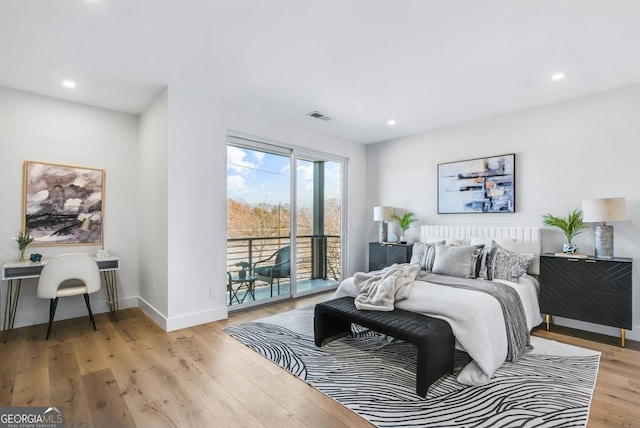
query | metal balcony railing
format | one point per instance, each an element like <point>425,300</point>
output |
<point>318,257</point>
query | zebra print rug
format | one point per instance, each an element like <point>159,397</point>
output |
<point>374,376</point>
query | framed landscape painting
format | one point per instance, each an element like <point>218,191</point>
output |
<point>483,185</point>
<point>56,200</point>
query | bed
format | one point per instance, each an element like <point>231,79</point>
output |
<point>476,318</point>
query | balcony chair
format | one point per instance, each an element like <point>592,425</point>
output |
<point>280,267</point>
<point>68,275</point>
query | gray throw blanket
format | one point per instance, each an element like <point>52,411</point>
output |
<point>514,317</point>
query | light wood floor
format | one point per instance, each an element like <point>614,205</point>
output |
<point>131,373</point>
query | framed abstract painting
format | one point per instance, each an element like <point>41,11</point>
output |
<point>483,185</point>
<point>57,198</point>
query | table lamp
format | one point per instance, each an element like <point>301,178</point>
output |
<point>603,211</point>
<point>383,214</point>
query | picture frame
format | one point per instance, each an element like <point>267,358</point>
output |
<point>57,198</point>
<point>481,185</point>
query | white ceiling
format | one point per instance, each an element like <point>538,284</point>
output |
<point>426,63</point>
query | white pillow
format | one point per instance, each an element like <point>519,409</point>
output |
<point>441,240</point>
<point>509,244</point>
<point>417,253</point>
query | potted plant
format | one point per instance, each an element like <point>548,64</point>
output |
<point>404,222</point>
<point>571,226</point>
<point>23,239</point>
<point>242,273</point>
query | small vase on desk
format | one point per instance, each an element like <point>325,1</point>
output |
<point>21,255</point>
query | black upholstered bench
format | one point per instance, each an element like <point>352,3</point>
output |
<point>433,337</point>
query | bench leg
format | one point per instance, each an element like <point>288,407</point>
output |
<point>432,365</point>
<point>326,327</point>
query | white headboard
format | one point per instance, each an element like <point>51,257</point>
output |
<point>527,238</point>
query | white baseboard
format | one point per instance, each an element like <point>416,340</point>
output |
<point>67,309</point>
<point>197,318</point>
<point>182,321</point>
<point>76,308</point>
<point>153,313</point>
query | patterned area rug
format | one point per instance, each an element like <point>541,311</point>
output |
<point>374,376</point>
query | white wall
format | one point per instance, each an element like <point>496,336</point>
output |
<point>197,198</point>
<point>152,188</point>
<point>566,152</point>
<point>165,196</point>
<point>48,130</point>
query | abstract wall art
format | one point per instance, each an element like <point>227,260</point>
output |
<point>483,185</point>
<point>56,200</point>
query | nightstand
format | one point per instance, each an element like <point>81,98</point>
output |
<point>383,255</point>
<point>587,289</point>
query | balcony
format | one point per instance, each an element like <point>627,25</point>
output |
<point>317,265</point>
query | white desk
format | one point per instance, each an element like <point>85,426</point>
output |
<point>15,272</point>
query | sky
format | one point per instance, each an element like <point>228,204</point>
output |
<point>258,177</point>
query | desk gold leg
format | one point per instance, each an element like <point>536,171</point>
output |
<point>11,304</point>
<point>112,291</point>
<point>623,334</point>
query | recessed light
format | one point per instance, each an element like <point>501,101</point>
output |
<point>69,84</point>
<point>558,76</point>
<point>391,122</point>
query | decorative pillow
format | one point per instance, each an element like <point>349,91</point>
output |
<point>457,261</point>
<point>508,244</point>
<point>507,265</point>
<point>430,255</point>
<point>423,254</point>
<point>417,254</point>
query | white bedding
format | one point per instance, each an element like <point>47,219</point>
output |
<point>475,318</point>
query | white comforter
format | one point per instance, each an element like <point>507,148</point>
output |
<point>475,318</point>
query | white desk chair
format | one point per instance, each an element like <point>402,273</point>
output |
<point>53,282</point>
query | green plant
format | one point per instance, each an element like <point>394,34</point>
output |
<point>570,226</point>
<point>23,239</point>
<point>244,265</point>
<point>405,221</point>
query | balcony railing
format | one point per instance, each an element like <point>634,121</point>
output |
<point>318,257</point>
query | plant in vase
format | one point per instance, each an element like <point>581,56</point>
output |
<point>23,239</point>
<point>404,222</point>
<point>242,273</point>
<point>571,226</point>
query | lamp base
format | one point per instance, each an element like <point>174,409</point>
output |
<point>383,234</point>
<point>604,241</point>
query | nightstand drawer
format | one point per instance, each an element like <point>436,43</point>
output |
<point>381,256</point>
<point>613,310</point>
<point>558,300</point>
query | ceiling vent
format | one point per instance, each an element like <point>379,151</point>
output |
<point>318,115</point>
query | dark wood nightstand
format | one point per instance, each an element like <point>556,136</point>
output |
<point>383,255</point>
<point>587,289</point>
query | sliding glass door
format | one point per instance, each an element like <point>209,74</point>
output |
<point>318,222</point>
<point>283,222</point>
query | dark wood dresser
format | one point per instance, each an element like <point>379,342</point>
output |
<point>587,289</point>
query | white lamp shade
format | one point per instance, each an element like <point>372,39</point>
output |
<point>604,210</point>
<point>382,213</point>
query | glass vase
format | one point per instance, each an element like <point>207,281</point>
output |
<point>21,254</point>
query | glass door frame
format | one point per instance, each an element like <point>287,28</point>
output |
<point>294,153</point>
